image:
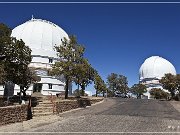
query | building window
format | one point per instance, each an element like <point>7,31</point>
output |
<point>50,86</point>
<point>50,60</point>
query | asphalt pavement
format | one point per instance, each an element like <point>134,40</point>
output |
<point>115,116</point>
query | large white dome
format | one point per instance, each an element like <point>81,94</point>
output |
<point>40,35</point>
<point>155,67</point>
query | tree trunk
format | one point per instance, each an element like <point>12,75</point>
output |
<point>172,95</point>
<point>20,98</point>
<point>113,90</point>
<point>78,87</point>
<point>140,96</point>
<point>78,92</point>
<point>96,93</point>
<point>66,88</point>
<point>103,93</point>
<point>83,92</point>
<point>24,93</point>
<point>83,89</point>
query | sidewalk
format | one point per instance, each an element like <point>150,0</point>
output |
<point>37,121</point>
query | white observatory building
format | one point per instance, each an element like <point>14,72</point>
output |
<point>41,36</point>
<point>152,70</point>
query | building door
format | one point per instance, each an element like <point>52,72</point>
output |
<point>37,87</point>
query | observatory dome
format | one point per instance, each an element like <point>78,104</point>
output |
<point>155,67</point>
<point>40,35</point>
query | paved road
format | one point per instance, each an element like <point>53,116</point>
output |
<point>118,116</point>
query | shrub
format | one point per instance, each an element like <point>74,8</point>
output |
<point>158,93</point>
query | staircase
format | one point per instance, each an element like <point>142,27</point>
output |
<point>43,108</point>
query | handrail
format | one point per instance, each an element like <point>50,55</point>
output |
<point>52,99</point>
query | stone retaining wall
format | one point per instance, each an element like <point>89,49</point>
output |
<point>1,102</point>
<point>65,106</point>
<point>93,101</point>
<point>12,114</point>
<point>73,104</point>
<point>19,113</point>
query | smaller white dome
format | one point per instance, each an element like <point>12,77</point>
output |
<point>155,67</point>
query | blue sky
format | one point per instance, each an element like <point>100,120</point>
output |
<point>117,37</point>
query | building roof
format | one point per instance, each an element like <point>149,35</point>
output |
<point>155,67</point>
<point>40,35</point>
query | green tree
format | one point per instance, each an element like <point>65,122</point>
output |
<point>17,57</point>
<point>177,92</point>
<point>117,83</point>
<point>25,78</point>
<point>122,84</point>
<point>99,84</point>
<point>112,81</point>
<point>70,53</point>
<point>169,83</point>
<point>104,88</point>
<point>2,74</point>
<point>158,93</point>
<point>138,89</point>
<point>5,33</point>
<point>178,82</point>
<point>84,74</point>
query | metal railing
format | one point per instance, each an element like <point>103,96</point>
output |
<point>52,100</point>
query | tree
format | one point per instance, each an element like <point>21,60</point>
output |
<point>122,84</point>
<point>5,33</point>
<point>169,83</point>
<point>112,82</point>
<point>138,89</point>
<point>70,53</point>
<point>104,88</point>
<point>178,82</point>
<point>158,93</point>
<point>177,91</point>
<point>84,74</point>
<point>25,78</point>
<point>99,84</point>
<point>17,57</point>
<point>117,83</point>
<point>2,74</point>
